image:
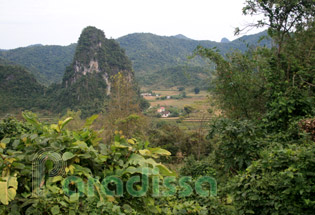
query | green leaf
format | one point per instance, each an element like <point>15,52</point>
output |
<point>8,187</point>
<point>165,171</point>
<point>55,210</point>
<point>74,197</point>
<point>55,179</point>
<point>64,122</point>
<point>145,152</point>
<point>5,140</point>
<point>160,151</point>
<point>18,165</point>
<point>67,155</point>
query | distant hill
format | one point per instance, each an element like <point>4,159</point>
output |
<point>180,36</point>
<point>225,40</point>
<point>150,55</point>
<point>47,63</point>
<point>18,88</point>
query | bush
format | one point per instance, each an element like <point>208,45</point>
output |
<point>238,143</point>
<point>195,168</point>
<point>86,157</point>
<point>281,182</point>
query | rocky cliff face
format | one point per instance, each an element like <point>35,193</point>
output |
<point>96,55</point>
<point>87,81</point>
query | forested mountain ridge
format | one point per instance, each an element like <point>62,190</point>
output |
<point>152,52</point>
<point>47,63</point>
<point>154,55</point>
<point>149,54</point>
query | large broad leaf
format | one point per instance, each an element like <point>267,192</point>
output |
<point>160,151</point>
<point>67,155</point>
<point>64,122</point>
<point>165,171</point>
<point>55,210</point>
<point>145,152</point>
<point>8,187</point>
<point>136,159</point>
<point>31,118</point>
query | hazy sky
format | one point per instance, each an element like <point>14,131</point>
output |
<point>60,22</point>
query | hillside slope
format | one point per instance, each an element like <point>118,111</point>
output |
<point>18,88</point>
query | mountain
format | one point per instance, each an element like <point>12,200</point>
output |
<point>87,82</point>
<point>18,88</point>
<point>150,55</point>
<point>180,36</point>
<point>47,63</point>
<point>225,40</point>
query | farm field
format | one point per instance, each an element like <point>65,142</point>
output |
<point>201,104</point>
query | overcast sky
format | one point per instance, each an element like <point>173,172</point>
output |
<point>60,22</point>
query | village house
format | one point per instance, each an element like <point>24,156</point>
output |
<point>161,109</point>
<point>146,94</point>
<point>165,114</point>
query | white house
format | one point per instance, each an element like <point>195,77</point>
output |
<point>165,114</point>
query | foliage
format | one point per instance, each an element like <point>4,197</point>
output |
<point>179,142</point>
<point>281,182</point>
<point>188,109</point>
<point>281,16</point>
<point>196,90</point>
<point>239,82</point>
<point>86,157</point>
<point>267,96</point>
<point>196,168</point>
<point>238,142</point>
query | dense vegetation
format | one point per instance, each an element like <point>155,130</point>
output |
<point>263,146</point>
<point>178,76</point>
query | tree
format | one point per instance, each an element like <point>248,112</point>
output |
<point>196,90</point>
<point>276,83</point>
<point>122,111</point>
<point>188,109</point>
<point>239,81</point>
<point>181,88</point>
<point>281,16</point>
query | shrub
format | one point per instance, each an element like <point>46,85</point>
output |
<point>281,182</point>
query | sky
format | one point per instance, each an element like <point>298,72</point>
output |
<point>60,22</point>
